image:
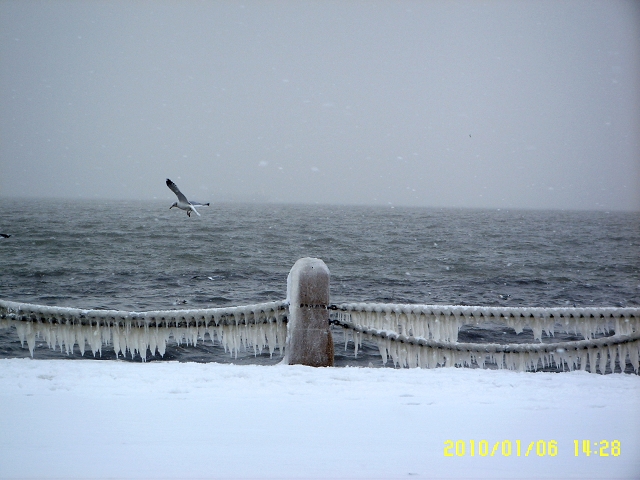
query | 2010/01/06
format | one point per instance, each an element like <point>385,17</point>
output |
<point>540,448</point>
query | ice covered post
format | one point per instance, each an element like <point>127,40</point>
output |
<point>309,340</point>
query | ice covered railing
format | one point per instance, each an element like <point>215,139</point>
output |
<point>427,335</point>
<point>412,335</point>
<point>443,322</point>
<point>254,327</point>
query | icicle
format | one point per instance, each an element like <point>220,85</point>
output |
<point>634,355</point>
<point>602,362</point>
<point>78,332</point>
<point>623,352</point>
<point>21,328</point>
<point>393,351</point>
<point>346,338</point>
<point>31,338</point>
<point>536,326</point>
<point>271,334</point>
<point>518,326</point>
<point>68,338</point>
<point>382,348</point>
<point>612,357</point>
<point>591,355</point>
<point>423,358</point>
<point>355,343</point>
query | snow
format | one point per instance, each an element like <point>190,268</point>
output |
<point>113,419</point>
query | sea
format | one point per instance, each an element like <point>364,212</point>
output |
<point>140,255</point>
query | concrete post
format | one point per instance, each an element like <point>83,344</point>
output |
<point>309,340</point>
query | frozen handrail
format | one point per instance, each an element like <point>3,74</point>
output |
<point>410,334</point>
<point>442,322</point>
<point>408,351</point>
<point>493,347</point>
<point>242,315</point>
<point>250,326</point>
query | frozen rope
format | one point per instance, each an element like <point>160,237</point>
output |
<point>408,351</point>
<point>256,326</point>
<point>443,322</point>
<point>242,315</point>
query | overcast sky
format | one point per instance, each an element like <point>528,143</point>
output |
<point>499,104</point>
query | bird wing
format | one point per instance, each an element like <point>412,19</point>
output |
<point>198,204</point>
<point>194,210</point>
<point>174,188</point>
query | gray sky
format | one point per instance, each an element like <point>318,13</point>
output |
<point>464,104</point>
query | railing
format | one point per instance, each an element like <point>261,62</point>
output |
<point>256,326</point>
<point>411,335</point>
<point>443,322</point>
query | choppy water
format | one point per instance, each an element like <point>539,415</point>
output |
<point>143,256</point>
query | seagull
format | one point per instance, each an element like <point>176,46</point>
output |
<point>182,202</point>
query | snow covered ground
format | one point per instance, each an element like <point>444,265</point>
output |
<point>108,419</point>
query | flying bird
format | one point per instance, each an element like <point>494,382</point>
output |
<point>182,202</point>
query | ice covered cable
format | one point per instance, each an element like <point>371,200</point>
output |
<point>426,335</point>
<point>411,335</point>
<point>251,327</point>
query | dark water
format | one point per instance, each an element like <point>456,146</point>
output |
<point>142,256</point>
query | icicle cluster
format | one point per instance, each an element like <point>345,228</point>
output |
<point>426,336</point>
<point>411,335</point>
<point>443,322</point>
<point>592,355</point>
<point>251,327</point>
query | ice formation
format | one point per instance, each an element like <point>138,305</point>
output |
<point>411,335</point>
<point>443,322</point>
<point>426,335</point>
<point>251,327</point>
